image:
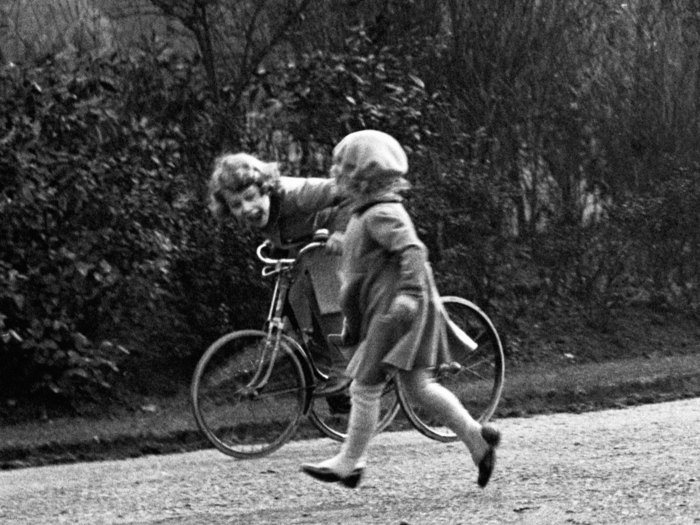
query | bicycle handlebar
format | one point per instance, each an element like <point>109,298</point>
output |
<point>267,260</point>
<point>319,240</point>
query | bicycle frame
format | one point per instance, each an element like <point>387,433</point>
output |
<point>280,309</point>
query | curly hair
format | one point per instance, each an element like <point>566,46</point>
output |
<point>234,172</point>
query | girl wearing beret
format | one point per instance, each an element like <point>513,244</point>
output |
<point>392,309</point>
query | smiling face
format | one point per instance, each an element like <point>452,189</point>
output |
<point>249,206</point>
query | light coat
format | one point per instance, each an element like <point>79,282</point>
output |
<point>374,271</point>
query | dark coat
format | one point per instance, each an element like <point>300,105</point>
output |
<point>299,208</point>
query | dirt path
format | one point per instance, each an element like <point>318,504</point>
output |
<point>637,465</point>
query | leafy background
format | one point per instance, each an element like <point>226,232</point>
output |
<point>553,150</point>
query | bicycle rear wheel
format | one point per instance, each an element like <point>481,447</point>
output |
<point>475,377</point>
<point>239,418</point>
<point>331,414</point>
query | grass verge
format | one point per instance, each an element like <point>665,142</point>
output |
<point>166,425</point>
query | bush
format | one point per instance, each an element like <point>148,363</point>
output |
<point>106,235</point>
<point>56,275</point>
<point>458,200</point>
<point>663,228</point>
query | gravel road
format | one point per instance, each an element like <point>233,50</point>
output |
<point>636,465</point>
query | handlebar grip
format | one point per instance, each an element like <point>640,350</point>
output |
<point>319,240</point>
<point>269,259</point>
<point>321,235</point>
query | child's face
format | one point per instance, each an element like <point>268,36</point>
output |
<point>249,206</point>
<point>342,170</point>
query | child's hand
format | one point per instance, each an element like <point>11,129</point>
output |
<point>404,308</point>
<point>334,244</point>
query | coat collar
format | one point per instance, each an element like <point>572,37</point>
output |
<point>366,202</point>
<point>275,207</point>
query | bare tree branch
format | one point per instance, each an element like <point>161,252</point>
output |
<point>211,31</point>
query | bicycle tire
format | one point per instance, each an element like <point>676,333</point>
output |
<point>236,419</point>
<point>333,423</point>
<point>476,377</point>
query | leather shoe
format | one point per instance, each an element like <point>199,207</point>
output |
<point>329,476</point>
<point>493,438</point>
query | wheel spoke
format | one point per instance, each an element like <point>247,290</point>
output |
<point>239,417</point>
<point>475,377</point>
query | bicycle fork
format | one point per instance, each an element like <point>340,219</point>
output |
<point>272,341</point>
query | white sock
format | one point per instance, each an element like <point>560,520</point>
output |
<point>364,414</point>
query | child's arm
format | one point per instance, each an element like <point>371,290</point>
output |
<point>391,227</point>
<point>313,194</point>
<point>321,201</point>
<point>404,306</point>
<point>306,206</point>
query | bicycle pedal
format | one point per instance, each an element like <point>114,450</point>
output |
<point>332,386</point>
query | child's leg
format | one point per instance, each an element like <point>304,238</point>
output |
<point>364,415</point>
<point>422,389</point>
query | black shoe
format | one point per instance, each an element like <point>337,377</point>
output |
<point>328,476</point>
<point>488,462</point>
<point>332,385</point>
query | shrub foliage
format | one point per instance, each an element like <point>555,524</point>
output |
<point>547,160</point>
<point>105,234</point>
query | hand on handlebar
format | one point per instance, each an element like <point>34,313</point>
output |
<point>334,244</point>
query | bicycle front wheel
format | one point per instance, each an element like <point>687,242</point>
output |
<point>475,377</point>
<point>241,414</point>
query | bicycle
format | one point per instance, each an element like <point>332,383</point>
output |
<point>251,388</point>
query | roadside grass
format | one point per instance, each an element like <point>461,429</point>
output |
<point>614,384</point>
<point>166,425</point>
